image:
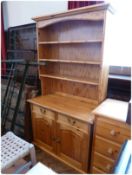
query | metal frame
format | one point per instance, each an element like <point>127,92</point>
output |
<point>12,79</point>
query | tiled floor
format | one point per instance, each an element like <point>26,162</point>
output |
<point>53,163</point>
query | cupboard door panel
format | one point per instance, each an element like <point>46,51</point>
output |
<point>66,145</point>
<point>43,131</point>
<point>70,145</point>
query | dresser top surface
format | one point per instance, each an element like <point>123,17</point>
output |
<point>114,109</point>
<point>66,105</point>
<point>101,6</point>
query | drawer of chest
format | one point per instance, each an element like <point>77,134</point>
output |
<point>43,111</point>
<point>97,171</point>
<point>73,122</point>
<point>106,147</point>
<point>103,163</point>
<point>111,131</point>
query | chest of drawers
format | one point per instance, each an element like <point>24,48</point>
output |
<point>110,132</point>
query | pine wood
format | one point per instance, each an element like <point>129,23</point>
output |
<point>76,52</point>
<point>103,163</point>
<point>97,171</point>
<point>79,11</point>
<point>67,40</point>
<point>73,123</point>
<point>62,135</point>
<point>71,142</point>
<point>69,79</point>
<point>71,61</point>
<point>87,91</point>
<point>91,27</point>
<point>67,71</point>
<point>110,132</point>
<point>73,82</point>
<point>109,148</point>
<point>65,105</point>
<point>43,130</point>
<point>105,129</point>
<point>43,112</point>
<point>42,147</point>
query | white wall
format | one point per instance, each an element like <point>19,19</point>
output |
<point>20,12</point>
<point>121,34</point>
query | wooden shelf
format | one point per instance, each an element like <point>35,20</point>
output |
<point>71,61</point>
<point>71,42</point>
<point>72,51</point>
<point>69,79</point>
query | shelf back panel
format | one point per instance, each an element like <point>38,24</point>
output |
<point>51,86</point>
<point>70,30</point>
<point>80,71</point>
<point>77,51</point>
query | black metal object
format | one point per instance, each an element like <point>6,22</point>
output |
<point>8,97</point>
<point>119,88</point>
<point>19,96</point>
<point>12,78</point>
<point>129,113</point>
<point>9,80</point>
<point>119,83</point>
<point>21,42</point>
<point>21,50</point>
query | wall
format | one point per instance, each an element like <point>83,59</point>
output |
<point>20,12</point>
<point>121,29</point>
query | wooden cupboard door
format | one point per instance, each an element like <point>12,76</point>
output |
<point>72,145</point>
<point>44,131</point>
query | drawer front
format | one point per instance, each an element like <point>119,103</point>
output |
<point>97,171</point>
<point>73,122</point>
<point>103,163</point>
<point>107,148</point>
<point>112,132</point>
<point>43,111</point>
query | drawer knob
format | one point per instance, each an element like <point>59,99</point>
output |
<point>74,121</point>
<point>108,167</point>
<point>110,151</point>
<point>114,133</point>
<point>42,110</point>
